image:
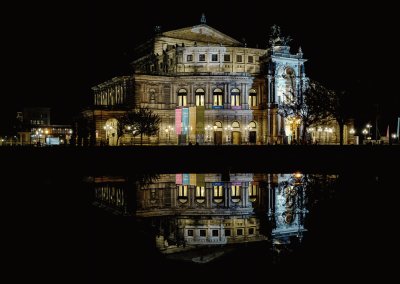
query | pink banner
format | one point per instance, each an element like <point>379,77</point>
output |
<point>178,121</point>
<point>178,179</point>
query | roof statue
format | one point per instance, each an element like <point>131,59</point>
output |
<point>276,38</point>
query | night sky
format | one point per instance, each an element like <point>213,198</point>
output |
<point>349,48</point>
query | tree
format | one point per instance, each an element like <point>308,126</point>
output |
<point>309,108</point>
<point>340,108</point>
<point>143,121</point>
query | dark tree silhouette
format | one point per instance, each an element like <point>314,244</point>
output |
<point>311,108</point>
<point>340,109</point>
<point>143,121</point>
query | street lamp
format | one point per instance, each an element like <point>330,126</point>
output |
<point>352,131</point>
<point>369,129</point>
<point>208,130</point>
<point>365,131</point>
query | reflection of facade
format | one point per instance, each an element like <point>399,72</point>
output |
<point>207,87</point>
<point>192,210</point>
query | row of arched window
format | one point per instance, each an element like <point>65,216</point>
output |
<point>217,97</point>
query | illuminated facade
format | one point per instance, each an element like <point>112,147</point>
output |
<point>207,88</point>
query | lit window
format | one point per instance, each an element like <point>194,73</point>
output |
<point>202,57</point>
<point>235,97</point>
<point>250,59</point>
<point>199,97</point>
<point>227,57</point>
<point>252,98</point>
<point>189,57</point>
<point>217,97</point>
<point>235,193</point>
<point>218,193</point>
<point>214,57</point>
<point>182,97</point>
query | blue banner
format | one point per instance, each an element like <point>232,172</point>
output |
<point>185,179</point>
<point>217,183</point>
<point>185,120</point>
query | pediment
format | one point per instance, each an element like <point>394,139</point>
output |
<point>202,33</point>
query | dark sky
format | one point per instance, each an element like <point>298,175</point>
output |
<point>348,46</point>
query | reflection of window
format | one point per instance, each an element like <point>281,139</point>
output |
<point>252,98</point>
<point>202,233</point>
<point>202,57</point>
<point>235,193</point>
<point>215,233</point>
<point>218,193</point>
<point>199,97</point>
<point>227,232</point>
<point>214,57</point>
<point>190,233</point>
<point>227,57</point>
<point>182,97</point>
<point>217,97</point>
<point>250,59</point>
<point>235,97</point>
<point>189,58</point>
<point>239,58</point>
<point>200,191</point>
<point>182,193</point>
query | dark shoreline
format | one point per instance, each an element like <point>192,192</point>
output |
<point>200,159</point>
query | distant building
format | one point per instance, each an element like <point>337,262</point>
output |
<point>35,128</point>
<point>208,88</point>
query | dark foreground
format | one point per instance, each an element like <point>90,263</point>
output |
<point>172,159</point>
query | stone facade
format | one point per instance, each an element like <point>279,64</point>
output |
<point>229,92</point>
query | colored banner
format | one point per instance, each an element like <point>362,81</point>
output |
<point>200,120</point>
<point>185,120</point>
<point>193,179</point>
<point>217,183</point>
<point>192,121</point>
<point>200,180</point>
<point>178,121</point>
<point>185,179</point>
<point>178,179</point>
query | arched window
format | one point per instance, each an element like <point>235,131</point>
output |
<point>235,97</point>
<point>235,124</point>
<point>199,97</point>
<point>252,98</point>
<point>217,97</point>
<point>152,94</point>
<point>182,97</point>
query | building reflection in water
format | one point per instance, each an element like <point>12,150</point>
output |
<point>188,212</point>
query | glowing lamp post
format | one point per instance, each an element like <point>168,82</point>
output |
<point>365,132</point>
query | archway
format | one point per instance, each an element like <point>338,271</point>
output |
<point>252,127</point>
<point>217,133</point>
<point>111,129</point>
<point>236,134</point>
